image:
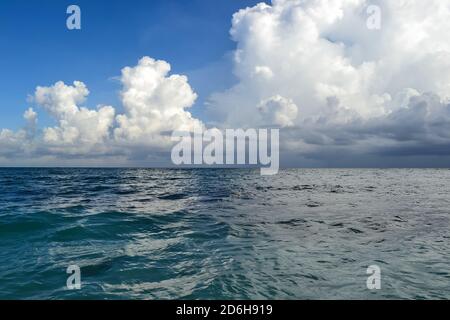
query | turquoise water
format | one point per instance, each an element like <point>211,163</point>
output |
<point>224,234</point>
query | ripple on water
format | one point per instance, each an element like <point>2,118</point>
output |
<point>224,234</point>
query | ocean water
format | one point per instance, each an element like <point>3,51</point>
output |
<point>224,234</point>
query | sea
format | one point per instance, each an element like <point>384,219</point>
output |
<point>224,233</point>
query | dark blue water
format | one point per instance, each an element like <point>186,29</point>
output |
<point>224,234</point>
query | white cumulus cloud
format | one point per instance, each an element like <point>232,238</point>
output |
<point>79,129</point>
<point>155,104</point>
<point>314,65</point>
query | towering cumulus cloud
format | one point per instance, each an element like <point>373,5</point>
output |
<point>155,104</point>
<point>317,68</point>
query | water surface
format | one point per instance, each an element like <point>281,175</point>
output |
<point>224,234</point>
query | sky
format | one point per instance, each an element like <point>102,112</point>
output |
<point>38,49</point>
<point>349,83</point>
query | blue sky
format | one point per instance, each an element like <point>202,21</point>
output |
<point>38,49</point>
<point>338,80</point>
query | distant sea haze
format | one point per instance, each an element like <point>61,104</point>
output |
<point>224,233</point>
